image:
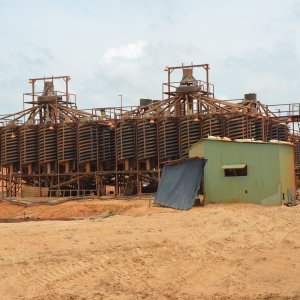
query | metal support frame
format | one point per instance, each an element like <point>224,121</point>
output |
<point>196,107</point>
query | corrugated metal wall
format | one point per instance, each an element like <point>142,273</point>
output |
<point>287,175</point>
<point>270,171</point>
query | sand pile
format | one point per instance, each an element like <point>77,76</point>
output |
<point>216,252</point>
<point>79,209</point>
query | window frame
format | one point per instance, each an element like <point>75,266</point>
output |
<point>240,170</point>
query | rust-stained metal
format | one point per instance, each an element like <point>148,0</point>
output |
<point>190,133</point>
<point>10,146</point>
<point>28,144</point>
<point>66,142</point>
<point>146,139</point>
<point>212,125</point>
<point>126,139</point>
<point>52,144</point>
<point>168,138</point>
<point>47,145</point>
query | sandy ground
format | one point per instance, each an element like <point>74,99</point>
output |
<point>214,252</point>
<point>81,209</point>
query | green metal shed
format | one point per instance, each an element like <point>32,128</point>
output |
<point>246,171</point>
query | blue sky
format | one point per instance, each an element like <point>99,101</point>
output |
<point>122,46</point>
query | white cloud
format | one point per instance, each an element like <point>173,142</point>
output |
<point>251,46</point>
<point>128,51</point>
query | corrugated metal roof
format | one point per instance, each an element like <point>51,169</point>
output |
<point>245,141</point>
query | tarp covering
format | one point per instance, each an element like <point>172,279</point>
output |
<point>180,184</point>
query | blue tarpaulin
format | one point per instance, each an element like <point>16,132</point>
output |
<point>180,183</point>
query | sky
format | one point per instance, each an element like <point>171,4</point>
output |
<point>122,46</point>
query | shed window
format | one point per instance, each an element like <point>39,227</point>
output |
<point>235,170</point>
